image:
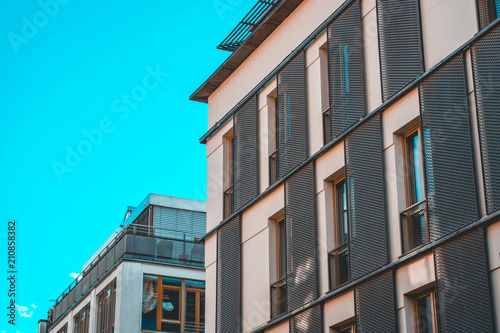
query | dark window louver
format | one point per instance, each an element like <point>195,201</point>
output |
<point>374,304</point>
<point>291,118</point>
<point>300,237</point>
<point>400,44</point>
<point>488,11</point>
<point>365,198</point>
<point>485,66</point>
<point>462,285</point>
<point>307,321</point>
<point>345,70</point>
<point>228,301</point>
<point>447,149</point>
<point>245,154</point>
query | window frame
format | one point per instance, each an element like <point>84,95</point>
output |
<point>106,309</point>
<point>432,294</point>
<point>281,257</point>
<point>78,321</point>
<point>338,213</point>
<point>410,178</point>
<point>63,329</point>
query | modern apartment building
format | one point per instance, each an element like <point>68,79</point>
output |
<point>353,154</point>
<point>147,277</point>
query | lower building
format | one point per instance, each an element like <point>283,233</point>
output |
<point>147,277</point>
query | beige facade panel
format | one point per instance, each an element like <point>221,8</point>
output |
<point>338,311</point>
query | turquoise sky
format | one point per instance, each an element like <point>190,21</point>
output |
<point>94,116</point>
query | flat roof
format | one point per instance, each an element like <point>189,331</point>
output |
<point>273,19</point>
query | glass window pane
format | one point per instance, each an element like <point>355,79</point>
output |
<point>168,281</point>
<point>424,315</point>
<point>149,302</point>
<point>172,328</point>
<point>195,284</point>
<point>417,168</point>
<point>343,235</point>
<point>190,312</point>
<point>202,309</point>
<point>171,304</point>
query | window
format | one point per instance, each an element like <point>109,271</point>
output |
<point>106,309</point>
<point>63,329</point>
<point>272,137</point>
<point>81,320</point>
<point>279,288</point>
<point>339,257</point>
<point>414,217</point>
<point>229,174</point>
<point>347,328</point>
<point>182,304</point>
<point>281,248</point>
<point>425,313</point>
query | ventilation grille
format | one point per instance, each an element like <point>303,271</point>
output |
<point>229,277</point>
<point>486,69</point>
<point>463,296</point>
<point>400,44</point>
<point>307,321</point>
<point>365,198</point>
<point>291,115</point>
<point>300,237</point>
<point>448,164</point>
<point>345,70</point>
<point>246,180</point>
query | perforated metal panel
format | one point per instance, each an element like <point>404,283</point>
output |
<point>71,297</point>
<point>488,11</point>
<point>85,283</point>
<point>300,237</point>
<point>400,44</point>
<point>448,164</point>
<point>374,304</point>
<point>177,223</point>
<point>110,258</point>
<point>345,70</point>
<point>486,68</point>
<point>308,321</point>
<point>229,277</point>
<point>101,267</point>
<point>462,285</point>
<point>245,174</point>
<point>78,290</point>
<point>291,116</point>
<point>93,276</point>
<point>365,198</point>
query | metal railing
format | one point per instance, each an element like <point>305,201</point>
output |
<point>338,261</point>
<point>228,202</point>
<point>327,127</point>
<point>278,298</point>
<point>414,226</point>
<point>133,242</point>
<point>273,167</point>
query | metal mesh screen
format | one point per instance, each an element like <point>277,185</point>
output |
<point>291,116</point>
<point>245,143</point>
<point>71,297</point>
<point>486,68</point>
<point>400,44</point>
<point>414,226</point>
<point>365,198</point>
<point>345,70</point>
<point>278,298</point>
<point>229,277</point>
<point>462,285</point>
<point>338,261</point>
<point>488,11</point>
<point>307,321</point>
<point>300,237</point>
<point>374,305</point>
<point>448,163</point>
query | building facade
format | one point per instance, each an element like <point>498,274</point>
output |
<point>353,156</point>
<point>147,277</point>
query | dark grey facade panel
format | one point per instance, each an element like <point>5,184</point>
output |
<point>447,149</point>
<point>71,297</point>
<point>400,44</point>
<point>345,70</point>
<point>78,290</point>
<point>462,285</point>
<point>291,115</point>
<point>365,198</point>
<point>85,283</point>
<point>101,267</point>
<point>245,166</point>
<point>308,321</point>
<point>228,302</point>
<point>486,11</point>
<point>300,225</point>
<point>374,305</point>
<point>486,68</point>
<point>177,223</point>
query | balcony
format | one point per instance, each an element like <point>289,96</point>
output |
<point>273,168</point>
<point>134,242</point>
<point>338,261</point>
<point>414,226</point>
<point>228,202</point>
<point>278,298</point>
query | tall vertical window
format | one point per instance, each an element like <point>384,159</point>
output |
<point>81,320</point>
<point>341,212</point>
<point>106,309</point>
<point>425,313</point>
<point>413,168</point>
<point>279,287</point>
<point>173,305</point>
<point>229,176</point>
<point>272,138</point>
<point>281,248</point>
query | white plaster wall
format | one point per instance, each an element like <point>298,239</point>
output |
<point>339,309</point>
<point>446,24</point>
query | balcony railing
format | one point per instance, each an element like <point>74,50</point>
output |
<point>278,298</point>
<point>327,126</point>
<point>273,168</point>
<point>228,202</point>
<point>338,260</point>
<point>414,226</point>
<point>133,242</point>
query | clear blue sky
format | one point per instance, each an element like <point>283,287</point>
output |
<point>119,72</point>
